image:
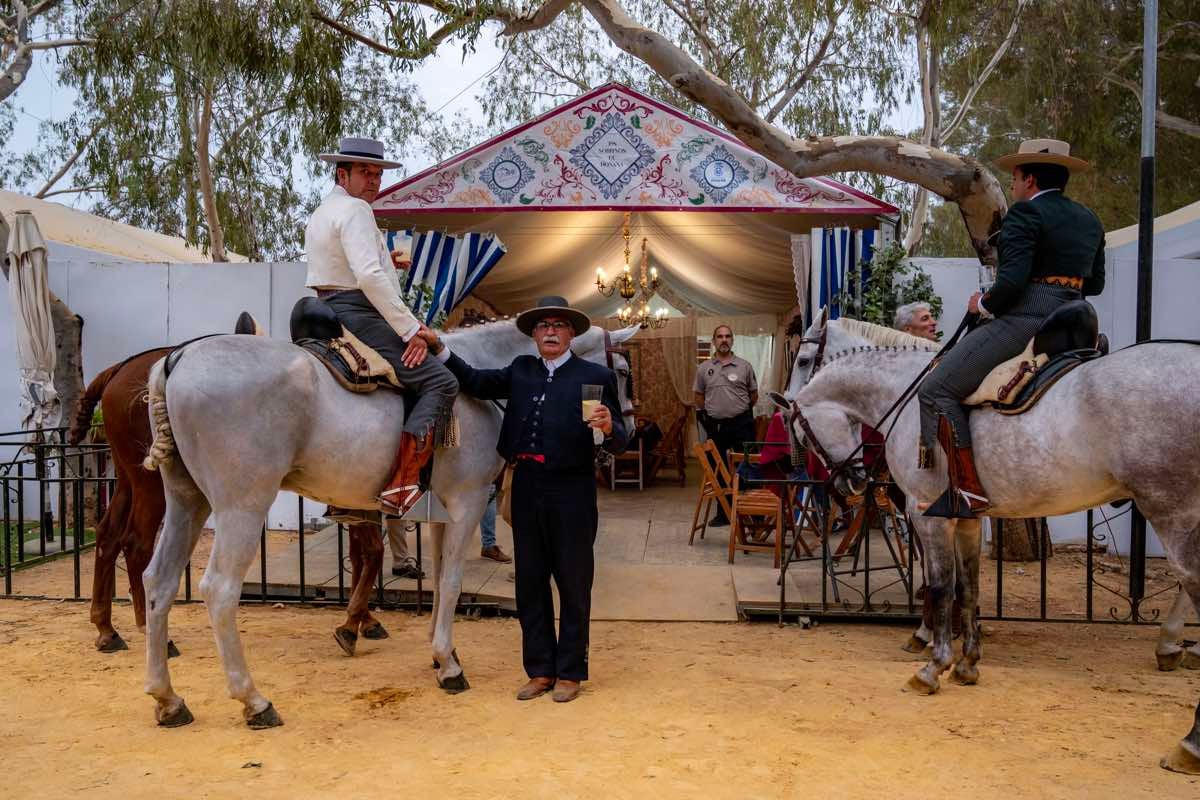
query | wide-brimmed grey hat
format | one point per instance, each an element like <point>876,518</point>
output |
<point>552,306</point>
<point>360,149</point>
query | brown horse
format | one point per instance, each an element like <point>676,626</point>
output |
<point>132,519</point>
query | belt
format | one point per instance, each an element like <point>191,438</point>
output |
<point>326,293</point>
<point>537,458</point>
<point>1069,282</point>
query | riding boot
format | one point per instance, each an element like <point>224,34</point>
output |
<point>405,489</point>
<point>964,498</point>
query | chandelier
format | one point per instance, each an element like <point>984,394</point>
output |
<point>632,290</point>
<point>643,317</point>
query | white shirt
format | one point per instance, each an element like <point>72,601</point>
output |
<point>345,250</point>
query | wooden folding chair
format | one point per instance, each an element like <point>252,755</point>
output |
<point>756,512</point>
<point>670,450</point>
<point>627,467</point>
<point>714,485</point>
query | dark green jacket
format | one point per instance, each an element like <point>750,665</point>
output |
<point>1049,235</point>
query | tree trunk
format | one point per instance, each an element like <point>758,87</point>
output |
<point>216,234</point>
<point>978,194</point>
<point>1023,539</point>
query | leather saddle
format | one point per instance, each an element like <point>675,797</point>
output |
<point>1067,338</point>
<point>355,365</point>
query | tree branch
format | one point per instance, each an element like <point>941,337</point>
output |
<point>59,43</point>
<point>969,98</point>
<point>74,190</point>
<point>976,191</point>
<point>208,194</point>
<point>70,162</point>
<point>806,73</point>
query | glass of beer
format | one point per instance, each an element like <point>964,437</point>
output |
<point>591,399</point>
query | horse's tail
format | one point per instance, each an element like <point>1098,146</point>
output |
<point>162,449</point>
<point>87,404</point>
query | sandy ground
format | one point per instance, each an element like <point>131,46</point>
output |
<point>674,710</point>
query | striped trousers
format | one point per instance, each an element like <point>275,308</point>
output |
<point>960,371</point>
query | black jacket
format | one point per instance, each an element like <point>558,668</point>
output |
<point>1049,235</point>
<point>567,439</point>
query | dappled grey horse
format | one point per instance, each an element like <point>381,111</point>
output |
<point>837,336</point>
<point>275,412</point>
<point>1108,430</point>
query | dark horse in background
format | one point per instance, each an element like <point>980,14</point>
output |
<point>135,513</point>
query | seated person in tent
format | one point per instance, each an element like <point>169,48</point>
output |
<point>350,268</point>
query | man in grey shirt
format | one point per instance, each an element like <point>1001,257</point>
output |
<point>726,391</point>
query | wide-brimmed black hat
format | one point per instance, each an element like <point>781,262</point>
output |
<point>552,306</point>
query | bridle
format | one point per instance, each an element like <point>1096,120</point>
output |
<point>854,460</point>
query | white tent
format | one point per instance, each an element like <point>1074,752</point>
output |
<point>718,218</point>
<point>78,235</point>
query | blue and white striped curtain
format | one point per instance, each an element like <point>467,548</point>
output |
<point>842,250</point>
<point>452,265</point>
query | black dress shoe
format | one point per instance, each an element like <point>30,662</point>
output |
<point>718,522</point>
<point>408,569</point>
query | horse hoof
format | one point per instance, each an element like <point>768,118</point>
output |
<point>267,718</point>
<point>965,676</point>
<point>376,631</point>
<point>177,718</point>
<point>113,644</point>
<point>1181,759</point>
<point>1191,660</point>
<point>1169,662</point>
<point>172,650</point>
<point>918,684</point>
<point>454,685</point>
<point>453,653</point>
<point>914,645</point>
<point>346,640</point>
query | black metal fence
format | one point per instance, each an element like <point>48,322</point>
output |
<point>46,487</point>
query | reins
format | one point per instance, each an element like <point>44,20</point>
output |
<point>903,400</point>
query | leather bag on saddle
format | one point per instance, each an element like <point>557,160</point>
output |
<point>355,365</point>
<point>1068,337</point>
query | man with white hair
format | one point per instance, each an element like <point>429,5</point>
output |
<point>917,319</point>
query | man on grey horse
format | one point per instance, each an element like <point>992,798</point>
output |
<point>350,268</point>
<point>1051,251</point>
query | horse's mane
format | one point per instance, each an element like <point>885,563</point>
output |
<point>885,337</point>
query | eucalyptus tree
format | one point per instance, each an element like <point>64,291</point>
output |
<point>681,59</point>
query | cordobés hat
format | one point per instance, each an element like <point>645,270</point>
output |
<point>359,149</point>
<point>1043,151</point>
<point>552,306</point>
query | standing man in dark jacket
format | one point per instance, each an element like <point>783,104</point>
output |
<point>1051,252</point>
<point>544,435</point>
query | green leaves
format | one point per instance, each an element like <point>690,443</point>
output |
<point>894,281</point>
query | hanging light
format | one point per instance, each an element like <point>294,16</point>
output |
<point>632,290</point>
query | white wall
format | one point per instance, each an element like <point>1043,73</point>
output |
<point>128,307</point>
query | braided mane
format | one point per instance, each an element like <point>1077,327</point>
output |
<point>886,337</point>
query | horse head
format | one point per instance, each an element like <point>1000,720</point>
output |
<point>812,349</point>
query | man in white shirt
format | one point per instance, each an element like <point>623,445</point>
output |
<point>351,269</point>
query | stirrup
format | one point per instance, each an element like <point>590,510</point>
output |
<point>399,501</point>
<point>956,504</point>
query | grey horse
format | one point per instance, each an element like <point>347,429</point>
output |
<point>272,411</point>
<point>840,335</point>
<point>1098,435</point>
